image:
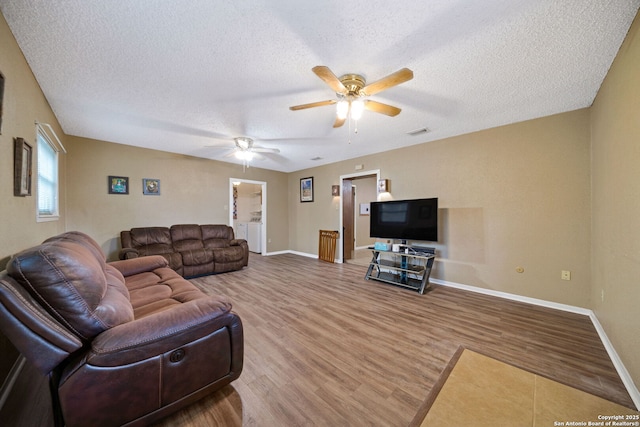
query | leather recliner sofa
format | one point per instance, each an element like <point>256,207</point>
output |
<point>123,343</point>
<point>191,250</point>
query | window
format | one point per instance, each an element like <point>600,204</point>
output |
<point>47,178</point>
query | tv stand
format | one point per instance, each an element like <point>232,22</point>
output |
<point>409,268</point>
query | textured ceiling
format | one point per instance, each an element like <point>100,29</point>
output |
<point>187,76</point>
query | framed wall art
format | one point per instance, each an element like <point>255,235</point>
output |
<point>1,98</point>
<point>150,186</point>
<point>118,184</point>
<point>306,189</point>
<point>22,154</point>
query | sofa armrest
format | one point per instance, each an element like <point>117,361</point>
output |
<point>164,331</point>
<point>129,267</point>
<point>128,253</point>
<point>237,242</point>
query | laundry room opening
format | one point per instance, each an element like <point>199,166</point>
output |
<point>247,215</point>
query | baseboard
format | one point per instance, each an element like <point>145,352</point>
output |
<point>514,297</point>
<point>613,355</point>
<point>617,362</point>
<point>7,386</point>
<point>304,254</point>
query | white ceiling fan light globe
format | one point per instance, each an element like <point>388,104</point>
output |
<point>342,109</point>
<point>357,108</point>
<point>244,155</point>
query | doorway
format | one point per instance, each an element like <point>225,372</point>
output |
<point>248,212</point>
<point>350,211</point>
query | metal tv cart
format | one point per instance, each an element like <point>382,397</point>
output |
<point>409,268</point>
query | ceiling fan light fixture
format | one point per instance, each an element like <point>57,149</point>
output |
<point>244,155</point>
<point>357,108</point>
<point>342,109</point>
<point>244,143</point>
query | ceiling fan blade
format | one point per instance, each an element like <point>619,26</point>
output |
<point>231,153</point>
<point>264,150</point>
<point>391,80</point>
<point>381,108</point>
<point>339,122</point>
<point>312,105</point>
<point>329,78</point>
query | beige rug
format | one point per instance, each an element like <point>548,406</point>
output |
<point>476,390</point>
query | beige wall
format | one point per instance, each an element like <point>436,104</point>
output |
<point>514,196</point>
<point>615,127</point>
<point>193,191</point>
<point>23,104</point>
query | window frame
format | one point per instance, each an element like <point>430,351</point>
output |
<point>42,139</point>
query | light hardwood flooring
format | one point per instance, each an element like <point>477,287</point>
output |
<point>324,347</point>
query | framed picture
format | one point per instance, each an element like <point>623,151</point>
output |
<point>118,184</point>
<point>306,189</point>
<point>22,153</point>
<point>1,98</point>
<point>150,186</point>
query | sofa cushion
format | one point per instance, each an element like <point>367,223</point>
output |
<point>74,285</point>
<point>230,254</point>
<point>186,237</point>
<point>151,240</point>
<point>197,257</point>
<point>159,290</point>
<point>216,231</point>
<point>216,236</point>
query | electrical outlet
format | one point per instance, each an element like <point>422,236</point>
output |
<point>565,275</point>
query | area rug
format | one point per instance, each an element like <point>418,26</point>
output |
<point>476,390</point>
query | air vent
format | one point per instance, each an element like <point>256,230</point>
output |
<point>418,131</point>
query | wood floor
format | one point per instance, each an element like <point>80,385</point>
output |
<point>325,347</point>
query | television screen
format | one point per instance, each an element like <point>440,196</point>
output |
<point>415,219</point>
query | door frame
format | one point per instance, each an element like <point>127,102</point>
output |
<point>351,176</point>
<point>263,207</point>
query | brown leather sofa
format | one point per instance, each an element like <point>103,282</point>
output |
<point>123,343</point>
<point>191,250</point>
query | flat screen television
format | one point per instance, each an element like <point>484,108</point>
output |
<point>415,219</point>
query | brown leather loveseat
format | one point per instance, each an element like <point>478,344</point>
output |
<point>123,343</point>
<point>191,250</point>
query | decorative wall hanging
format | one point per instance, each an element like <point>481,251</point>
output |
<point>1,98</point>
<point>306,189</point>
<point>383,186</point>
<point>118,184</point>
<point>150,187</point>
<point>22,153</point>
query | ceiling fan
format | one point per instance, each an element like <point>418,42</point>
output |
<point>352,91</point>
<point>246,150</point>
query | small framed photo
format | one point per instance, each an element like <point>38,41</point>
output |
<point>150,186</point>
<point>306,189</point>
<point>118,184</point>
<point>22,153</point>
